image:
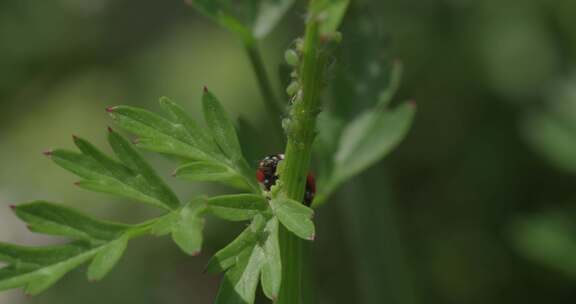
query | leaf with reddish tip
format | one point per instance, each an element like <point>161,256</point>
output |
<point>55,219</point>
<point>181,138</point>
<point>130,177</point>
<point>296,217</point>
<point>221,127</point>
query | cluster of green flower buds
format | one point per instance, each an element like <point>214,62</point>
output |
<point>293,57</point>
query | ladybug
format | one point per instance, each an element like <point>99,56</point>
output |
<point>267,177</point>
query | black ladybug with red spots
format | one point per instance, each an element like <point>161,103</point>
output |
<point>267,177</point>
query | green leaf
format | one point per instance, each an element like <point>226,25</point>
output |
<point>271,274</point>
<point>181,118</point>
<point>248,20</point>
<point>145,175</point>
<point>369,138</point>
<point>331,12</point>
<point>239,283</point>
<point>163,225</point>
<point>187,231</point>
<point>205,171</point>
<point>183,139</point>
<point>221,13</point>
<point>107,258</point>
<point>131,178</point>
<point>40,278</point>
<point>269,14</point>
<point>237,207</point>
<point>54,219</point>
<point>294,216</point>
<point>547,239</point>
<point>228,256</point>
<point>205,160</point>
<point>394,83</point>
<point>221,127</point>
<point>553,136</point>
<point>26,257</point>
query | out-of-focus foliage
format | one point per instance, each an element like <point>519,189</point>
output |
<point>484,74</point>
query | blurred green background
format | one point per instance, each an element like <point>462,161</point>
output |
<point>476,206</point>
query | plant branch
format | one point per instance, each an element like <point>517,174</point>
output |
<point>301,132</point>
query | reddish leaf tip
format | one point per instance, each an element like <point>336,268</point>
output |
<point>110,129</point>
<point>312,237</point>
<point>74,137</point>
<point>110,109</point>
<point>76,183</point>
<point>47,152</point>
<point>205,89</point>
<point>13,207</point>
<point>29,227</point>
<point>196,253</point>
<point>412,103</point>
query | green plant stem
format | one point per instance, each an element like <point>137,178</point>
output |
<point>269,98</point>
<point>301,132</point>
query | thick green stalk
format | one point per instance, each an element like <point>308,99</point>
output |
<point>301,131</point>
<point>269,98</point>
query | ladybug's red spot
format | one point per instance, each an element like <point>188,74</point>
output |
<point>260,175</point>
<point>311,183</point>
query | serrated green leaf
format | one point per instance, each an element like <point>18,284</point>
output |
<point>271,273</point>
<point>161,135</point>
<point>187,231</point>
<point>208,171</point>
<point>106,258</point>
<point>228,256</point>
<point>201,138</point>
<point>237,207</point>
<point>294,216</point>
<point>221,127</point>
<point>145,177</point>
<point>54,219</point>
<point>369,138</point>
<point>132,178</point>
<point>239,283</point>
